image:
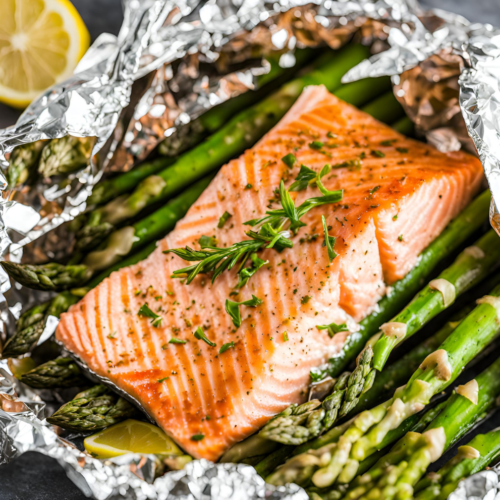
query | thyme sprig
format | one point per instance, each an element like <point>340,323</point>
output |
<point>271,231</point>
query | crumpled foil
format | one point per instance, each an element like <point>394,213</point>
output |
<point>171,62</point>
<point>484,485</point>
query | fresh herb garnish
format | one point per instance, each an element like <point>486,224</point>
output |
<point>316,145</point>
<point>305,299</point>
<point>233,308</point>
<point>289,160</point>
<point>146,312</point>
<point>374,190</point>
<point>388,142</point>
<point>162,379</point>
<point>355,164</point>
<point>377,153</point>
<point>285,336</point>
<point>248,186</point>
<point>400,237</point>
<point>402,150</point>
<point>225,347</point>
<point>329,241</point>
<point>223,219</point>
<point>247,272</point>
<point>303,179</point>
<point>175,340</point>
<point>271,233</point>
<point>200,335</point>
<point>207,241</point>
<point>333,328</point>
<point>197,437</point>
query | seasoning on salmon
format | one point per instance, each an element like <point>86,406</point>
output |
<point>226,382</point>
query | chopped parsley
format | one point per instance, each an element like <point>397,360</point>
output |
<point>305,299</point>
<point>331,135</point>
<point>200,335</point>
<point>223,219</point>
<point>225,347</point>
<point>146,312</point>
<point>374,190</point>
<point>163,379</point>
<point>112,335</point>
<point>395,217</point>
<point>389,142</point>
<point>402,150</point>
<point>175,340</point>
<point>285,336</point>
<point>400,237</point>
<point>333,328</point>
<point>316,145</point>
<point>329,241</point>
<point>248,186</point>
<point>233,308</point>
<point>377,153</point>
<point>247,272</point>
<point>197,437</point>
<point>289,160</point>
<point>207,241</point>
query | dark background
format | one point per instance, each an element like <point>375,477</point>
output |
<point>33,476</point>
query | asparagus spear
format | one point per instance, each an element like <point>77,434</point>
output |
<point>395,375</point>
<point>414,453</point>
<point>65,155</point>
<point>23,162</point>
<point>212,120</point>
<point>59,372</point>
<point>92,410</point>
<point>120,243</point>
<point>297,424</point>
<point>248,126</point>
<point>439,485</point>
<point>457,232</point>
<point>368,430</point>
<point>31,324</point>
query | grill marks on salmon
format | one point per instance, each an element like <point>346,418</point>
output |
<point>398,200</point>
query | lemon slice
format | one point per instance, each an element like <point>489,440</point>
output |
<point>130,436</point>
<point>41,42</point>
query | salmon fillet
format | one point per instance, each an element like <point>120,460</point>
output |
<point>399,194</point>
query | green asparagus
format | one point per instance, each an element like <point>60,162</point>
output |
<point>92,410</point>
<point>393,376</point>
<point>23,162</point>
<point>246,128</point>
<point>59,372</point>
<point>471,458</point>
<point>298,424</point>
<point>65,155</point>
<point>212,120</point>
<point>397,473</point>
<point>368,430</point>
<point>457,232</point>
<point>31,324</point>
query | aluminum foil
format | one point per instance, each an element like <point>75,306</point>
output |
<point>170,62</point>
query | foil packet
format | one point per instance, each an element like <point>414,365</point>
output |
<point>171,62</point>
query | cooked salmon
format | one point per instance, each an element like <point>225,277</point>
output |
<point>399,194</point>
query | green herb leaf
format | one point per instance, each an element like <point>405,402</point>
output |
<point>225,347</point>
<point>200,335</point>
<point>377,153</point>
<point>175,340</point>
<point>207,241</point>
<point>375,189</point>
<point>285,336</point>
<point>248,186</point>
<point>329,241</point>
<point>316,145</point>
<point>388,142</point>
<point>400,237</point>
<point>305,299</point>
<point>247,272</point>
<point>333,328</point>
<point>304,177</point>
<point>223,219</point>
<point>289,160</point>
<point>146,312</point>
<point>233,308</point>
<point>402,150</point>
<point>163,379</point>
<point>197,437</point>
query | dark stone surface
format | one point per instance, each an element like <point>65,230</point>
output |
<point>36,477</point>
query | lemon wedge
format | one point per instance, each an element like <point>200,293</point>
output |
<point>41,42</point>
<point>130,436</point>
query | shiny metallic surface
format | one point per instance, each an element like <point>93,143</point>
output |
<point>170,62</point>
